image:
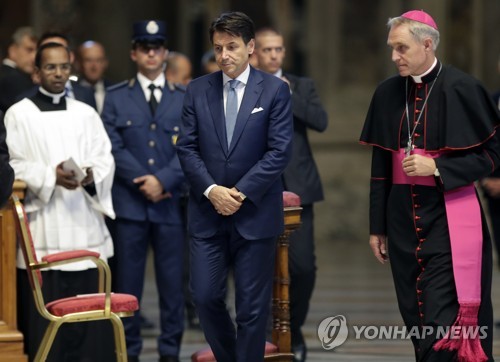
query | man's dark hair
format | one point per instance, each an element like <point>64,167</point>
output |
<point>236,24</point>
<point>40,50</point>
<point>53,34</point>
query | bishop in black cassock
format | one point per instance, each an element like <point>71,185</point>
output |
<point>446,115</point>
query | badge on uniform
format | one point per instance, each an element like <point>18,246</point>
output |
<point>175,135</point>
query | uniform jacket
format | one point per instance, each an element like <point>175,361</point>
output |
<point>260,150</point>
<point>143,144</point>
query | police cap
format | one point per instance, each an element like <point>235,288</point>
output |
<point>149,31</point>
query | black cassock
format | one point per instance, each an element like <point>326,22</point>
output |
<point>458,122</point>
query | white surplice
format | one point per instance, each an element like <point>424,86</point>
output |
<point>62,219</point>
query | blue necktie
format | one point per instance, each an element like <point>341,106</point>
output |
<point>231,109</point>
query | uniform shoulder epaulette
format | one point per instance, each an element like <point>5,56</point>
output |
<point>175,86</point>
<point>180,87</point>
<point>117,86</point>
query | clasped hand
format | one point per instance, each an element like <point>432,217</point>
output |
<point>67,179</point>
<point>226,201</point>
<point>151,188</point>
<point>418,165</point>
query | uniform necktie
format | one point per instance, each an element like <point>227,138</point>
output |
<point>231,109</point>
<point>153,103</point>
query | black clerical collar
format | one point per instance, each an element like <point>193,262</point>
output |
<point>46,101</point>
<point>433,73</point>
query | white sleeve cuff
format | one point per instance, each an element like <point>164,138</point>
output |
<point>209,188</point>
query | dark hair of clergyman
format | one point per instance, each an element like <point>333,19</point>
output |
<point>39,52</point>
<point>236,24</point>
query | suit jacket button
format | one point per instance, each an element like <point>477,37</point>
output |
<point>151,143</point>
<point>129,122</point>
<point>152,127</point>
<point>151,162</point>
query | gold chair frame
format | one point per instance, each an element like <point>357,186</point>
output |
<point>34,267</point>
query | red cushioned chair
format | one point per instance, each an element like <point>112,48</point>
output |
<point>280,349</point>
<point>81,308</point>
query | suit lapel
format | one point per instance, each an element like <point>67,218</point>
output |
<point>215,100</point>
<point>252,93</point>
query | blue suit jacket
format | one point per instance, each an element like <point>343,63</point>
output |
<point>260,150</point>
<point>143,144</point>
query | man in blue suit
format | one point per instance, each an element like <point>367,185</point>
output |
<point>235,142</point>
<point>148,185</point>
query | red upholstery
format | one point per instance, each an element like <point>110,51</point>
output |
<point>90,302</point>
<point>67,255</point>
<point>290,199</point>
<point>206,355</point>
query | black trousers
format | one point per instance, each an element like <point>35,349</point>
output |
<point>302,268</point>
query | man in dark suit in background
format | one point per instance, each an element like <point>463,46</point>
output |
<point>91,63</point>
<point>6,171</point>
<point>234,144</point>
<point>178,69</point>
<point>301,177</point>
<point>148,186</point>
<point>17,67</point>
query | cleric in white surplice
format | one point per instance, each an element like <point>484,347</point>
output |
<point>42,132</point>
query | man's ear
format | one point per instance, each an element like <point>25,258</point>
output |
<point>251,46</point>
<point>12,52</point>
<point>35,76</point>
<point>428,44</point>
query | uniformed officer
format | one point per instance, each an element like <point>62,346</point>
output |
<point>142,117</point>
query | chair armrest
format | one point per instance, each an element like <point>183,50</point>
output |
<point>74,256</point>
<point>68,255</point>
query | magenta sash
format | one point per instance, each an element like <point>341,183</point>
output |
<point>465,228</point>
<point>401,178</point>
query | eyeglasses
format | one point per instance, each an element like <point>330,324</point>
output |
<point>52,68</point>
